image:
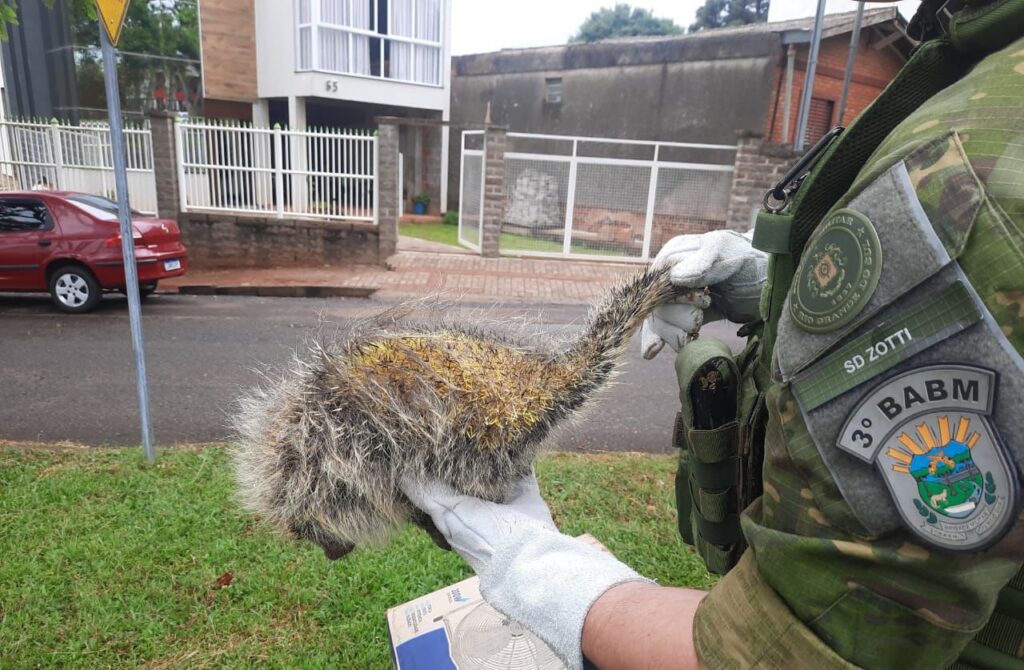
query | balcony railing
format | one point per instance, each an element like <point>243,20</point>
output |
<point>400,40</point>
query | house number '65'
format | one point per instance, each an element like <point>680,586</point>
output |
<point>331,85</point>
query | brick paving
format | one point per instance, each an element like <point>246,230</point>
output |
<point>455,276</point>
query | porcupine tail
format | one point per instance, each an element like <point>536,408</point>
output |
<point>597,352</point>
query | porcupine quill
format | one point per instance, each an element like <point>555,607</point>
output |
<point>321,452</point>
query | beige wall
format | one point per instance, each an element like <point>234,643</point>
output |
<point>228,35</point>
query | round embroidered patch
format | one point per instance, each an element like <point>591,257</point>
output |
<point>838,273</point>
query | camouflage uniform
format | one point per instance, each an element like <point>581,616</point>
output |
<point>824,583</point>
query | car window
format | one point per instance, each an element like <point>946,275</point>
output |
<point>22,214</point>
<point>93,202</point>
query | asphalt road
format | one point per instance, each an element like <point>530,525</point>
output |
<point>72,377</point>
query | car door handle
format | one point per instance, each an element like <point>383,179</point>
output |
<point>45,243</point>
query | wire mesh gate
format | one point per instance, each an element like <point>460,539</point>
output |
<point>608,199</point>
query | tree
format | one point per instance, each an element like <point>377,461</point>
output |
<point>9,12</point>
<point>623,21</point>
<point>725,13</point>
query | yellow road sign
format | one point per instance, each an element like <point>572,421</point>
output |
<point>112,13</point>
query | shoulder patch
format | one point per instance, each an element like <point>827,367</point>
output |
<point>838,274</point>
<point>928,432</point>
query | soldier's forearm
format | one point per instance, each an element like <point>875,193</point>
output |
<point>638,626</point>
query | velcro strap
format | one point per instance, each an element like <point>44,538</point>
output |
<point>1011,602</point>
<point>724,533</point>
<point>712,505</point>
<point>715,475</point>
<point>716,445</point>
<point>716,559</point>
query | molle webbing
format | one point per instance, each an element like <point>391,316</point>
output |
<point>708,437</point>
<point>999,644</point>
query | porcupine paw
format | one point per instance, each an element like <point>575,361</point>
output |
<point>335,550</point>
<point>423,520</point>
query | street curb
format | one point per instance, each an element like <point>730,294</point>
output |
<point>279,291</point>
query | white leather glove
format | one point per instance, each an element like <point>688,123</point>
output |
<point>724,262</point>
<point>528,570</point>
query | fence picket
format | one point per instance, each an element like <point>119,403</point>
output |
<point>52,154</point>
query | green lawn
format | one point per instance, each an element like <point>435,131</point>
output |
<point>108,561</point>
<point>446,234</point>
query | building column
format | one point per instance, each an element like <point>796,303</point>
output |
<point>495,140</point>
<point>297,154</point>
<point>388,188</point>
<point>165,163</point>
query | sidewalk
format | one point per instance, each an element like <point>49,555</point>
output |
<point>452,274</point>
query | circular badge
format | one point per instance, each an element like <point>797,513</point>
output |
<point>838,273</point>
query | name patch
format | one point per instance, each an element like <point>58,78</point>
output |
<point>929,434</point>
<point>887,344</point>
<point>838,274</point>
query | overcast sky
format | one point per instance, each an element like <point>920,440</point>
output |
<point>490,25</point>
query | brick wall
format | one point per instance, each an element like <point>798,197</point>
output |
<point>165,163</point>
<point>495,142</point>
<point>387,182</point>
<point>873,70</point>
<point>219,241</point>
<point>758,167</point>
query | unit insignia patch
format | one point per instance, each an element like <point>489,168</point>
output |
<point>838,273</point>
<point>929,434</point>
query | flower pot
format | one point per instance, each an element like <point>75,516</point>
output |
<point>419,208</point>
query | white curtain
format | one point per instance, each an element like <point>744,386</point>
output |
<point>339,50</point>
<point>400,21</point>
<point>428,27</point>
<point>419,63</point>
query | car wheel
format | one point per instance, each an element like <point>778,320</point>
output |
<point>145,290</point>
<point>74,289</point>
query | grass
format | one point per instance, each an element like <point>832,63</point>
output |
<point>108,561</point>
<point>447,234</point>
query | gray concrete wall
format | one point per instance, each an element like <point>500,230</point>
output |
<point>699,88</point>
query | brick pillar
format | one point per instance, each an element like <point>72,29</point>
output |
<point>387,183</point>
<point>758,167</point>
<point>165,163</point>
<point>495,140</point>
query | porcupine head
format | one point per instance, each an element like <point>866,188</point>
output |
<point>322,450</point>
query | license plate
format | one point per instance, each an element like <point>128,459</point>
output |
<point>173,264</point>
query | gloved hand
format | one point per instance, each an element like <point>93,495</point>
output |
<point>528,570</point>
<point>725,262</point>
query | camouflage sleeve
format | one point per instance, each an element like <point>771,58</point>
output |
<point>833,575</point>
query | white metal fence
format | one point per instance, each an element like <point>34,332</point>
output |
<point>471,189</point>
<point>599,198</point>
<point>56,156</point>
<point>326,174</point>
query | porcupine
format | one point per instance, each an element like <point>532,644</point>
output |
<point>321,452</point>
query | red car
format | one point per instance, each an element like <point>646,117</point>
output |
<point>70,245</point>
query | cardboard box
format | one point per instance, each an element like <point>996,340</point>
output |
<point>455,629</point>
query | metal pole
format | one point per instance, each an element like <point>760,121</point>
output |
<point>812,65</point>
<point>850,62</point>
<point>131,272</point>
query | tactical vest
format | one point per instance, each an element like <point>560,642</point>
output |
<point>720,430</point>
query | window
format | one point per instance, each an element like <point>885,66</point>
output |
<point>819,119</point>
<point>391,39</point>
<point>18,215</point>
<point>553,88</point>
<point>98,206</point>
